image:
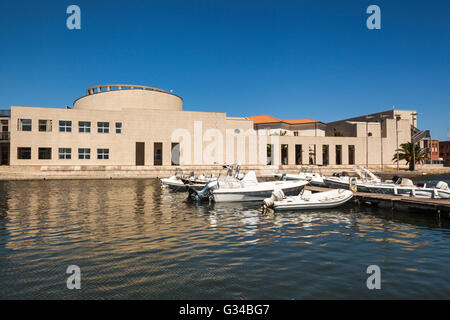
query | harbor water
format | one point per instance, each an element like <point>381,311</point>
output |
<point>132,239</point>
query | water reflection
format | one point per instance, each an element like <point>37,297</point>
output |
<point>135,239</point>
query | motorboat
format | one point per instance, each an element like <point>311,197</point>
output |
<point>369,182</point>
<point>306,200</point>
<point>344,180</point>
<point>315,179</point>
<point>174,183</point>
<point>231,189</point>
<point>177,182</point>
<point>405,187</point>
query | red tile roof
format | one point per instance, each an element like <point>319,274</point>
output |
<point>268,119</point>
<point>264,119</point>
<point>300,121</point>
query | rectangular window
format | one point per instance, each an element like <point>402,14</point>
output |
<point>103,127</point>
<point>24,124</point>
<point>118,127</point>
<point>269,154</point>
<point>295,133</point>
<point>24,153</point>
<point>84,126</point>
<point>45,125</point>
<point>65,153</point>
<point>157,153</point>
<point>65,126</point>
<point>5,125</point>
<point>45,153</point>
<point>312,154</point>
<point>298,154</point>
<point>103,154</point>
<point>351,154</point>
<point>325,154</point>
<point>284,154</point>
<point>338,154</point>
<point>84,153</point>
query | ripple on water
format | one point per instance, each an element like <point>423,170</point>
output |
<point>134,240</point>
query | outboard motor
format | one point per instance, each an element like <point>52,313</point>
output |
<point>277,195</point>
<point>203,194</point>
<point>283,177</point>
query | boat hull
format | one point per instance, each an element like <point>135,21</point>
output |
<point>292,203</point>
<point>246,194</point>
<point>313,180</point>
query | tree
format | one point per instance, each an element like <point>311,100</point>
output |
<point>405,152</point>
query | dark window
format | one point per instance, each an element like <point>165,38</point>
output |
<point>45,153</point>
<point>157,153</point>
<point>65,153</point>
<point>351,154</point>
<point>118,127</point>
<point>65,126</point>
<point>325,154</point>
<point>298,154</point>
<point>103,154</point>
<point>25,124</point>
<point>269,154</point>
<point>84,126</point>
<point>284,154</point>
<point>84,153</point>
<point>103,127</point>
<point>45,125</point>
<point>24,153</point>
<point>338,154</point>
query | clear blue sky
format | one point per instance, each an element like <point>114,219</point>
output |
<point>289,59</point>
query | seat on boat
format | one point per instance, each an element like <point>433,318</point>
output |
<point>306,195</point>
<point>249,180</point>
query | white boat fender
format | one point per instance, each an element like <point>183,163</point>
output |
<point>395,190</point>
<point>413,192</point>
<point>352,184</point>
<point>435,193</point>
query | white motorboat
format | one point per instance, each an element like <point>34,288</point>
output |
<point>178,183</point>
<point>174,183</point>
<point>315,179</point>
<point>405,187</point>
<point>344,181</point>
<point>230,189</point>
<point>308,200</point>
<point>368,182</point>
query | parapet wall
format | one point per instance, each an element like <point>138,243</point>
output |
<point>122,97</point>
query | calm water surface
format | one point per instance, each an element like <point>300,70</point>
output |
<point>132,239</point>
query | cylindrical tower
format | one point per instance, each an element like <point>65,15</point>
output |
<point>116,97</point>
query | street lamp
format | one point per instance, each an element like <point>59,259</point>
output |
<point>397,119</point>
<point>368,134</point>
<point>414,114</point>
<point>381,138</point>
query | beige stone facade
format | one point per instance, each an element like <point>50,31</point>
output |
<point>135,126</point>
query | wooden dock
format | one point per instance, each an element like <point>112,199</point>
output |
<point>397,202</point>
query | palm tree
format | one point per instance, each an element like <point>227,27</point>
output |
<point>405,152</point>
